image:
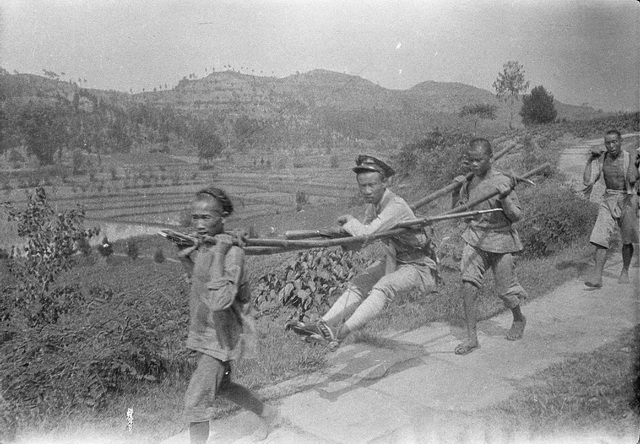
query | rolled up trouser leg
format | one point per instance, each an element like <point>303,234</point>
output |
<point>506,280</point>
<point>370,308</point>
<point>344,307</point>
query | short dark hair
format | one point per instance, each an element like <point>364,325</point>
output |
<point>614,131</point>
<point>484,144</point>
<point>218,194</point>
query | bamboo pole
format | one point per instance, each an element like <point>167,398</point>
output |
<point>487,196</point>
<point>274,246</point>
<point>451,187</point>
<point>402,227</point>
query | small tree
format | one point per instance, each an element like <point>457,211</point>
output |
<point>479,111</point>
<point>105,248</point>
<point>44,129</point>
<point>51,241</point>
<point>207,142</point>
<point>132,249</point>
<point>537,107</point>
<point>158,256</point>
<point>509,84</point>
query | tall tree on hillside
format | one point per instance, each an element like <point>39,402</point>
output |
<point>207,142</point>
<point>3,130</point>
<point>510,84</point>
<point>537,107</point>
<point>44,128</point>
<point>479,111</point>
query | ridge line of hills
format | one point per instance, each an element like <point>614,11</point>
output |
<point>247,112</point>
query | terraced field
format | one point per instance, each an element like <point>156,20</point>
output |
<point>138,195</point>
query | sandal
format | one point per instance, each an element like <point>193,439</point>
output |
<point>302,328</point>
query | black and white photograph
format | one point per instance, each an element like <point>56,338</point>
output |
<point>319,221</point>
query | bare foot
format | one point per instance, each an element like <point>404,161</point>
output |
<point>624,278</point>
<point>517,330</point>
<point>466,347</point>
<point>593,283</point>
<point>268,421</point>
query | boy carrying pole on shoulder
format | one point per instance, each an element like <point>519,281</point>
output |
<point>490,241</point>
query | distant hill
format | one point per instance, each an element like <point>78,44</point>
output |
<point>319,109</point>
<point>261,96</point>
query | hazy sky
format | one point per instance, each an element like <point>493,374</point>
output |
<point>581,51</point>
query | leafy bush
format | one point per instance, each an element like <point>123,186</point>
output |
<point>309,280</point>
<point>301,199</point>
<point>158,256</point>
<point>105,248</point>
<point>537,107</point>
<point>105,343</point>
<point>63,346</point>
<point>51,241</point>
<point>437,158</point>
<point>84,247</point>
<point>132,249</point>
<point>555,216</point>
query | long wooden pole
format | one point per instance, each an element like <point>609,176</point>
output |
<point>473,203</point>
<point>283,245</point>
<point>396,229</point>
<point>451,187</point>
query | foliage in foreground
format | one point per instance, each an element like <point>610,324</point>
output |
<point>555,216</point>
<point>105,340</point>
<point>51,241</point>
<point>309,280</point>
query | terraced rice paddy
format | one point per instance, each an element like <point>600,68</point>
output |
<point>133,205</point>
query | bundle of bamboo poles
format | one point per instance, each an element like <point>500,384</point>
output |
<point>301,240</point>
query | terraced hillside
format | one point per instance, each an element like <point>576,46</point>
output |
<point>138,194</point>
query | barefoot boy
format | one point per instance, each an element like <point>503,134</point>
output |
<point>219,294</point>
<point>490,241</point>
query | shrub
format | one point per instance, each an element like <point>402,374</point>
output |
<point>51,241</point>
<point>555,216</point>
<point>105,248</point>
<point>15,158</point>
<point>309,280</point>
<point>132,249</point>
<point>301,199</point>
<point>107,342</point>
<point>158,256</point>
<point>437,158</point>
<point>84,247</point>
<point>537,107</point>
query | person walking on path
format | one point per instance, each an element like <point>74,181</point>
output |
<point>219,296</point>
<point>408,265</point>
<point>619,205</point>
<point>490,241</point>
